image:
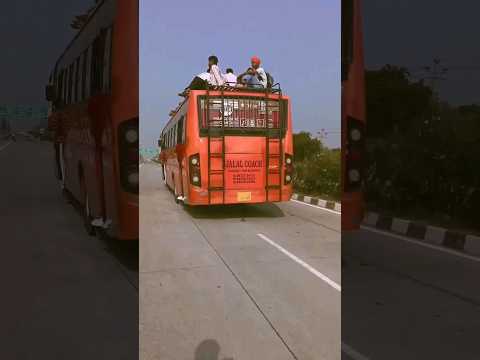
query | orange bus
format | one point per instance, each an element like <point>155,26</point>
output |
<point>229,146</point>
<point>353,115</point>
<point>93,106</point>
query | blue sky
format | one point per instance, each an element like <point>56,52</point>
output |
<point>298,44</point>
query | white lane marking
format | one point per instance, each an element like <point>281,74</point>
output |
<point>318,207</point>
<point>4,146</point>
<point>303,263</point>
<point>354,354</point>
<point>421,243</point>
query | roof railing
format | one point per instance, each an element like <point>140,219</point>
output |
<point>274,89</point>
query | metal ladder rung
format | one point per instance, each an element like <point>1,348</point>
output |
<point>215,138</point>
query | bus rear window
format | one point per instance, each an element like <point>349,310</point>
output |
<point>242,113</point>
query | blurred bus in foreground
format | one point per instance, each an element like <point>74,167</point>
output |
<point>93,95</point>
<point>229,146</point>
<point>353,115</point>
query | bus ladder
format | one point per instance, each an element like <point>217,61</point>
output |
<point>218,135</point>
<point>273,136</point>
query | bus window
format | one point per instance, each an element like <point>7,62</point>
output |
<point>69,84</point>
<point>60,86</point>
<point>88,70</point>
<point>175,132</point>
<point>64,86</point>
<point>97,64</point>
<point>242,113</point>
<point>107,61</point>
<point>180,131</point>
<point>75,89</point>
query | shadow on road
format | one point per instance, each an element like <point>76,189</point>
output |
<point>240,211</point>
<point>208,350</point>
<point>126,252</point>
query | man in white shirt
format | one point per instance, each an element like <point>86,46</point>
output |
<point>213,76</point>
<point>230,78</point>
<point>216,77</point>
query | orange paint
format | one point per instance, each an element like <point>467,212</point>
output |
<point>237,172</point>
<point>353,105</point>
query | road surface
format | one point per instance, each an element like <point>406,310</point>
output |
<point>240,282</point>
<point>402,300</point>
<point>65,295</point>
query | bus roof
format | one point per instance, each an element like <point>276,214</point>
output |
<point>94,10</point>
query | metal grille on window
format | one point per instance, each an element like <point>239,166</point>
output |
<point>241,113</point>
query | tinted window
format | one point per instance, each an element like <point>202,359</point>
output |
<point>69,84</point>
<point>180,131</point>
<point>98,55</point>
<point>75,83</point>
<point>107,63</point>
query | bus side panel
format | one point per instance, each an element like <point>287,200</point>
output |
<point>287,190</point>
<point>72,156</point>
<point>353,104</point>
<point>90,162</point>
<point>122,206</point>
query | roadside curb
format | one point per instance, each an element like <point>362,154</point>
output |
<point>460,241</point>
<point>332,205</point>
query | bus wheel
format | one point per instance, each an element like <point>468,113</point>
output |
<point>86,213</point>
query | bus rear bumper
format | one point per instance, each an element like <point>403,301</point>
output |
<point>237,196</point>
<point>127,229</point>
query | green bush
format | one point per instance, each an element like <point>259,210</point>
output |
<point>422,158</point>
<point>317,168</point>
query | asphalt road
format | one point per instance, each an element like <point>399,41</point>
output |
<point>64,295</point>
<point>240,282</point>
<point>401,300</point>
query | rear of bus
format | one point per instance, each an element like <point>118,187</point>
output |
<point>121,165</point>
<point>234,152</point>
<point>353,115</point>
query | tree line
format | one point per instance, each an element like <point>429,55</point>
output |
<point>317,168</point>
<point>422,152</point>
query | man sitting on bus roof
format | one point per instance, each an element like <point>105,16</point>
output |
<point>199,82</point>
<point>255,76</point>
<point>216,77</point>
<point>212,76</point>
<point>230,78</point>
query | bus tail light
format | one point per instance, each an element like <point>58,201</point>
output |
<point>194,167</point>
<point>354,153</point>
<point>128,155</point>
<point>288,169</point>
